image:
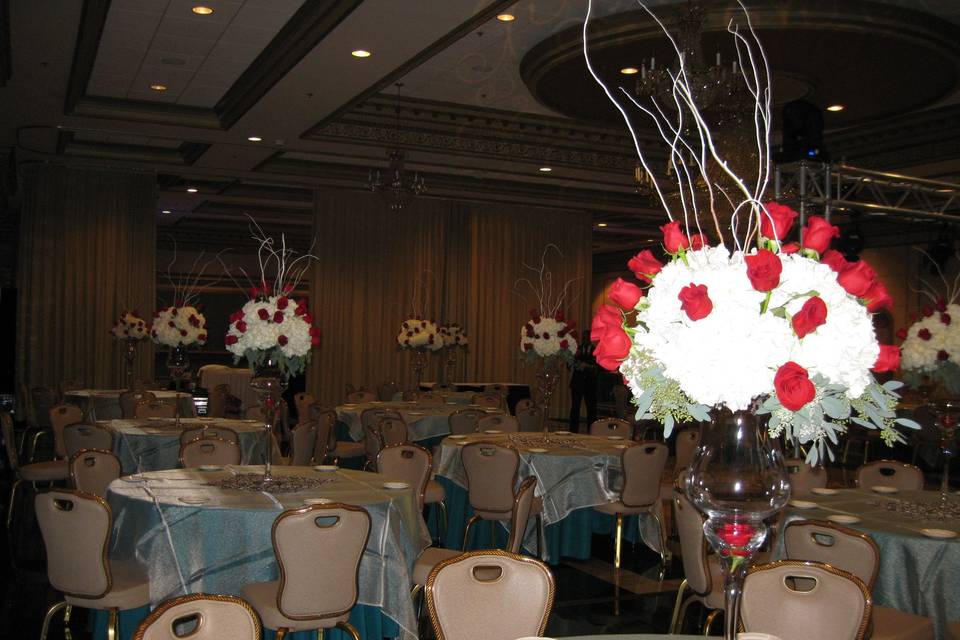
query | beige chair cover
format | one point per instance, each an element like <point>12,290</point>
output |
<point>217,401</point>
<point>392,431</point>
<point>155,409</point>
<point>491,472</point>
<point>891,473</point>
<point>92,471</point>
<point>224,433</point>
<point>523,404</point>
<point>361,396</point>
<point>209,451</point>
<point>612,427</point>
<point>500,422</point>
<point>216,618</point>
<point>530,419</point>
<point>302,402</point>
<point>130,399</point>
<point>407,463</point>
<point>81,435</point>
<point>487,400</point>
<point>60,416</point>
<point>464,421</point>
<point>803,477</point>
<point>687,442</point>
<point>302,443</point>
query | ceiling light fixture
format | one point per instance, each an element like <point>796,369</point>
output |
<point>360,53</point>
<point>396,186</point>
<point>158,87</point>
<point>836,107</point>
<point>506,17</point>
<point>191,189</point>
<point>254,138</point>
<point>165,211</point>
<point>601,224</point>
<point>202,10</point>
<point>629,71</point>
<point>545,169</point>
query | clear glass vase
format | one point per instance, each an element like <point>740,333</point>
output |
<point>418,362</point>
<point>178,362</point>
<point>737,479</point>
<point>547,378</point>
<point>129,357</point>
<point>269,382</point>
<point>947,413</point>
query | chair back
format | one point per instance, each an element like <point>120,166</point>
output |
<point>491,474</point>
<point>302,402</point>
<point>208,451</point>
<point>81,435</point>
<point>130,399</point>
<point>891,473</point>
<point>372,443</point>
<point>522,503</point>
<point>487,400</point>
<point>217,401</point>
<point>92,470</point>
<point>687,442</point>
<point>612,427</point>
<point>76,534</point>
<point>209,617</point>
<point>69,384</point>
<point>499,422</point>
<point>431,398</point>
<point>795,600</point>
<point>326,441</point>
<point>361,396</point>
<point>492,582</point>
<point>9,440</point>
<point>530,418</point>
<point>224,433</point>
<point>320,540</point>
<point>408,463</point>
<point>386,391</point>
<point>497,388</point>
<point>371,417</point>
<point>843,548</point>
<point>303,443</point>
<point>393,431</point>
<point>279,417</point>
<point>43,399</point>
<point>464,421</point>
<point>693,546</point>
<point>60,416</point>
<point>155,409</point>
<point>803,477</point>
<point>523,404</point>
<point>410,395</point>
<point>642,469</point>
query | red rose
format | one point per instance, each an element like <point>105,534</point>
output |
<point>559,316</point>
<point>793,386</point>
<point>695,301</point>
<point>282,340</point>
<point>927,311</point>
<point>835,260</point>
<point>792,247</point>
<point>194,320</point>
<point>314,331</point>
<point>308,318</point>
<point>527,347</point>
<point>263,313</point>
<point>812,314</point>
<point>924,334</point>
<point>736,535</point>
<point>253,293</point>
<point>241,326</point>
<point>231,340</point>
<point>315,341</point>
<point>673,238</point>
<point>902,334</point>
<point>818,234</point>
<point>564,344</point>
<point>941,305</point>
<point>945,318</point>
<point>287,288</point>
<point>282,302</point>
<point>763,270</point>
<point>612,348</point>
<point>857,278</point>
<point>644,265</point>
<point>878,297</point>
<point>608,317</point>
<point>625,294</point>
<point>183,332</point>
<point>775,223</point>
<point>278,317</point>
<point>942,355</point>
<point>699,241</point>
<point>202,337</point>
<point>888,360</point>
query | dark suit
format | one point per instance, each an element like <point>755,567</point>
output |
<point>583,385</point>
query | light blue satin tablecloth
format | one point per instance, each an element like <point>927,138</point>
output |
<point>449,397</point>
<point>104,404</point>
<point>424,420</point>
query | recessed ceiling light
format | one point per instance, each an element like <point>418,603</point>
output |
<point>202,10</point>
<point>165,211</point>
<point>506,17</point>
<point>836,107</point>
<point>629,71</point>
<point>601,224</point>
<point>254,138</point>
<point>191,189</point>
<point>158,87</point>
<point>546,169</point>
<point>360,53</point>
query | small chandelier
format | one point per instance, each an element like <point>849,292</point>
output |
<point>397,187</point>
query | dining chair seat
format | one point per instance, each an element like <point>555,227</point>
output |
<point>130,589</point>
<point>46,471</point>
<point>431,557</point>
<point>613,508</point>
<point>893,624</point>
<point>434,493</point>
<point>346,449</point>
<point>263,597</point>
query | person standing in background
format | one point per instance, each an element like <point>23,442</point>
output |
<point>583,383</point>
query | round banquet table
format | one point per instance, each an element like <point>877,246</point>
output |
<point>574,473</point>
<point>449,397</point>
<point>153,444</point>
<point>917,574</point>
<point>192,537</point>
<point>425,420</point>
<point>104,404</point>
<point>630,636</point>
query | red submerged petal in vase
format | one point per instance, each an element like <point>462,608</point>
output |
<point>282,340</point>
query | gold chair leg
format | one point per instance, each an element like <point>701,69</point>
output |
<point>617,542</point>
<point>13,498</point>
<point>676,607</point>
<point>710,618</point>
<point>66,614</point>
<point>113,625</point>
<point>466,531</point>
<point>442,532</point>
<point>46,619</point>
<point>281,632</point>
<point>663,546</point>
<point>541,543</point>
<point>346,626</point>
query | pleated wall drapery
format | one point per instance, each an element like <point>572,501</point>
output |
<point>467,255</point>
<point>87,252</point>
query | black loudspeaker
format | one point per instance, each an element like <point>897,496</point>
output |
<point>802,133</point>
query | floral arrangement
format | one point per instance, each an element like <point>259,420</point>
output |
<point>130,326</point>
<point>179,326</point>
<point>417,333</point>
<point>548,334</point>
<point>931,345</point>
<point>272,325</point>
<point>453,335</point>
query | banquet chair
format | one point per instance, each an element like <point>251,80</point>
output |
<point>224,433</point>
<point>413,464</point>
<point>464,421</point>
<point>130,399</point>
<point>510,596</point>
<point>386,391</point>
<point>318,550</point>
<point>281,417</point>
<point>891,473</point>
<point>392,430</point>
<point>494,400</point>
<point>208,451</point>
<point>858,553</point>
<point>92,471</point>
<point>155,409</point>
<point>302,402</point>
<point>60,416</point>
<point>497,388</point>
<point>642,466</point>
<point>491,472</point>
<point>361,396</point>
<point>410,395</point>
<point>702,573</point>
<point>803,477</point>
<point>303,441</point>
<point>48,471</point>
<point>327,444</point>
<point>76,531</point>
<point>429,397</point>
<point>523,404</point>
<point>66,385</point>
<point>612,427</point>
<point>686,445</point>
<point>371,417</point>
<point>530,418</point>
<point>798,600</point>
<point>217,401</point>
<point>499,422</point>
<point>214,616</point>
<point>81,435</point>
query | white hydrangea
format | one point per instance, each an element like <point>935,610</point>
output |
<point>732,355</point>
<point>276,322</point>
<point>943,330</point>
<point>130,327</point>
<point>547,337</point>
<point>176,326</point>
<point>453,335</point>
<point>417,333</point>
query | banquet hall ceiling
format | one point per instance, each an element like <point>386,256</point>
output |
<point>484,104</point>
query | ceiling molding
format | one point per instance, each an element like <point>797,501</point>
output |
<point>186,154</point>
<point>89,32</point>
<point>6,55</point>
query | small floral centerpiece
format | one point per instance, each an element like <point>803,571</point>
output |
<point>130,326</point>
<point>179,325</point>
<point>453,335</point>
<point>545,337</point>
<point>418,333</point>
<point>931,345</point>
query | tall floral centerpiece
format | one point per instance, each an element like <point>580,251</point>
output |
<point>129,330</point>
<point>454,339</point>
<point>420,336</point>
<point>273,331</point>
<point>547,338</point>
<point>750,334</point>
<point>178,327</point>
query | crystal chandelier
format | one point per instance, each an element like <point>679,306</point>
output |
<point>396,186</point>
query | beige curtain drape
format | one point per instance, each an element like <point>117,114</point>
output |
<point>87,251</point>
<point>467,258</point>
